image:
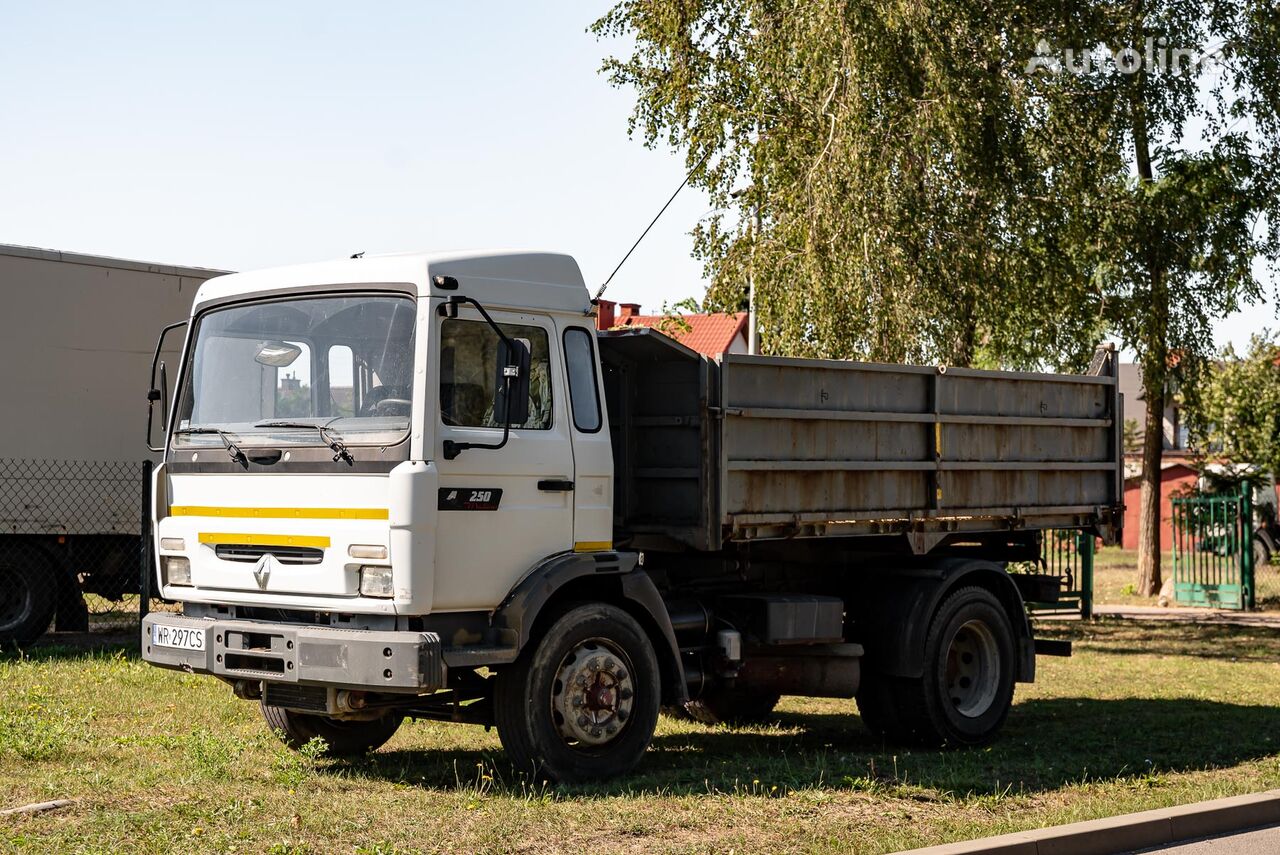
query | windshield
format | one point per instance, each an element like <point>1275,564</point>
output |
<point>270,373</point>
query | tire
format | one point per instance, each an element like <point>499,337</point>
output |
<point>732,707</point>
<point>966,689</point>
<point>343,738</point>
<point>876,696</point>
<point>594,659</point>
<point>28,593</point>
<point>1261,555</point>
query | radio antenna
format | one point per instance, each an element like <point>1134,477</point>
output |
<point>696,167</point>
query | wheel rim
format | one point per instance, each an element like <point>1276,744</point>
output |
<point>593,696</point>
<point>15,599</point>
<point>973,669</point>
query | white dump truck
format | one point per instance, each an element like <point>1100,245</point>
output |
<point>425,486</point>
<point>76,333</point>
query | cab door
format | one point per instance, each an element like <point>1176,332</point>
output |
<point>500,511</point>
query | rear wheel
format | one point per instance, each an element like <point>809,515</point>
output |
<point>732,706</point>
<point>342,738</point>
<point>28,586</point>
<point>582,703</point>
<point>966,689</point>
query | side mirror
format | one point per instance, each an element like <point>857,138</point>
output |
<point>511,396</point>
<point>154,393</point>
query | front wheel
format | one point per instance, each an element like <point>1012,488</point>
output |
<point>342,738</point>
<point>582,703</point>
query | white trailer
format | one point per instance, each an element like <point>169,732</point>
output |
<point>77,334</point>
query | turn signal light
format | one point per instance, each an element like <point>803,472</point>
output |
<point>367,551</point>
<point>175,544</point>
<point>177,570</point>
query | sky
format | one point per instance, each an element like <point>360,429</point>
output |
<point>240,135</point>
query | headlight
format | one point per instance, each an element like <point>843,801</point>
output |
<point>177,570</point>
<point>375,582</point>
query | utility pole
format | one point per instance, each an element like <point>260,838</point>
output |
<point>753,332</point>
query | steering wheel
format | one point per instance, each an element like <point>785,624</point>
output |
<point>393,407</point>
<point>388,401</point>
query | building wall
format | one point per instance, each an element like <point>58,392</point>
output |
<point>1135,408</point>
<point>1173,480</point>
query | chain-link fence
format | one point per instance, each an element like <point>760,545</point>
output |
<point>71,554</point>
<point>1266,580</point>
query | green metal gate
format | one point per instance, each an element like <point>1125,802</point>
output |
<point>1067,553</point>
<point>1213,551</point>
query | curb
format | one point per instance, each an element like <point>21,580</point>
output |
<point>1130,831</point>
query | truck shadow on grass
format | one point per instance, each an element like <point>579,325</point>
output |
<point>1047,745</point>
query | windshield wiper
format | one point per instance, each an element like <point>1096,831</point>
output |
<point>237,455</point>
<point>335,444</point>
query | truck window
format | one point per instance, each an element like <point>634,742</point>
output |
<point>312,359</point>
<point>293,385</point>
<point>580,363</point>
<point>342,399</point>
<point>468,369</point>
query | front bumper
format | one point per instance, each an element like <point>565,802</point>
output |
<point>303,654</point>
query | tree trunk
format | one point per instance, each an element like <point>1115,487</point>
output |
<point>1155,368</point>
<point>1149,580</point>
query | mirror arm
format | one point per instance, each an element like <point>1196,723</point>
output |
<point>453,449</point>
<point>153,394</point>
<point>450,309</point>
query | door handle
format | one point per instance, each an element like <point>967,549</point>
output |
<point>555,485</point>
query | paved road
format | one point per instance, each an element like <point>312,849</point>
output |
<point>1265,841</point>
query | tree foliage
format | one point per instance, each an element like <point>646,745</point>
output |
<point>924,197</point>
<point>1236,415</point>
<point>911,181</point>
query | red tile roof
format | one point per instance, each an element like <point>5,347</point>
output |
<point>709,334</point>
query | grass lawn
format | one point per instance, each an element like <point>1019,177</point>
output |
<point>1142,716</point>
<point>1115,577</point>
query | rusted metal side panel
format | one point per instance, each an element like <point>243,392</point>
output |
<point>817,447</point>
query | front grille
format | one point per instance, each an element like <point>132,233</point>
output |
<point>248,554</point>
<point>294,697</point>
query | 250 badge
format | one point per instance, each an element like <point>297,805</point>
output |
<point>469,498</point>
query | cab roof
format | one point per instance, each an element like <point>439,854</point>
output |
<point>508,278</point>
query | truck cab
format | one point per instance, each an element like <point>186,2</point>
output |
<point>362,461</point>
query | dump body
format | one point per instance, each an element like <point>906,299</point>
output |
<point>739,448</point>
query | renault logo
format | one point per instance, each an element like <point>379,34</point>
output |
<point>262,570</point>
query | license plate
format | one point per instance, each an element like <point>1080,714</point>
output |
<point>180,637</point>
